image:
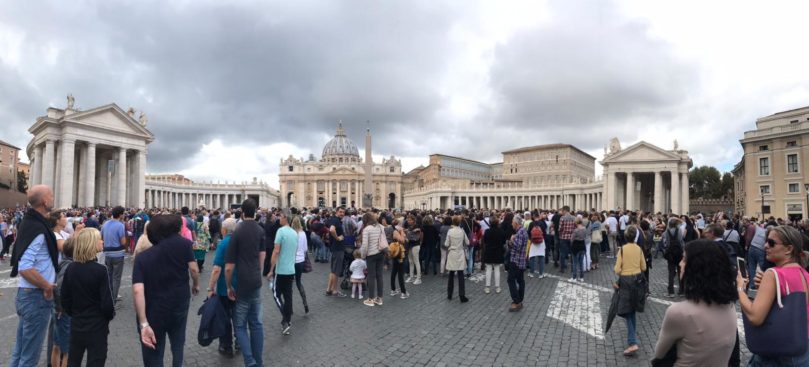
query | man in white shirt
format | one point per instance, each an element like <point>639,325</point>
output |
<point>612,236</point>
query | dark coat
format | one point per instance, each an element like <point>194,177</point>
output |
<point>631,294</point>
<point>214,321</point>
<point>33,225</point>
<point>493,241</point>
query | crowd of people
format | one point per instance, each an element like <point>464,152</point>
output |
<point>70,265</point>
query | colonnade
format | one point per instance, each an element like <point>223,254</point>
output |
<point>177,198</point>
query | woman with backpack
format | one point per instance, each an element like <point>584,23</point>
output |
<point>536,254</point>
<point>595,240</point>
<point>673,243</point>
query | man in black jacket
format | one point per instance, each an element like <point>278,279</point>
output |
<point>35,258</point>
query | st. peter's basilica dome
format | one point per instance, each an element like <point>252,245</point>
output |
<point>341,148</point>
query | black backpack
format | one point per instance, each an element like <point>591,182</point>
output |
<point>674,251</point>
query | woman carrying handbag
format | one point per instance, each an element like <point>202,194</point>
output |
<point>775,323</point>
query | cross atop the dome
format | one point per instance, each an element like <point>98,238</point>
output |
<point>340,131</point>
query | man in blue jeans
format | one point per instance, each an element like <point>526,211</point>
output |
<point>114,235</point>
<point>246,255</point>
<point>567,223</point>
<point>35,259</point>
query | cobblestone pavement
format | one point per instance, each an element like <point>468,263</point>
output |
<point>561,325</point>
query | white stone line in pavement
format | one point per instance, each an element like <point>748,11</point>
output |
<point>577,306</point>
<point>5,271</point>
<point>9,317</point>
<point>8,283</point>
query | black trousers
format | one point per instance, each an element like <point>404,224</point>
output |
<point>283,296</point>
<point>375,274</point>
<point>397,271</point>
<point>674,270</point>
<point>516,283</point>
<point>299,283</point>
<point>95,343</point>
<point>226,341</point>
<point>461,283</point>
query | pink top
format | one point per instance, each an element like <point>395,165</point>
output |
<point>790,278</point>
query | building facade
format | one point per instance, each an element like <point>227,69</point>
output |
<point>341,177</point>
<point>174,191</point>
<point>771,176</point>
<point>9,158</point>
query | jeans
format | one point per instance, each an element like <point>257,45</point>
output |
<point>537,261</point>
<point>451,284</point>
<point>631,339</point>
<point>226,341</point>
<point>34,313</point>
<point>612,237</point>
<point>470,260</point>
<point>564,250</point>
<point>415,263</point>
<point>759,361</point>
<point>674,270</point>
<point>375,273</point>
<point>175,328</point>
<point>283,289</point>
<point>321,252</point>
<point>587,259</point>
<point>578,264</point>
<point>247,313</point>
<point>496,269</point>
<point>397,271</point>
<point>516,283</point>
<point>115,267</point>
<point>755,257</point>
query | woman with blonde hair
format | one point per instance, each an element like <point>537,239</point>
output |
<point>300,258</point>
<point>456,244</point>
<point>87,299</point>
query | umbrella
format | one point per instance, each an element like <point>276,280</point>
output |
<point>612,312</point>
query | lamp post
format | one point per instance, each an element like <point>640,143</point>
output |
<point>806,189</point>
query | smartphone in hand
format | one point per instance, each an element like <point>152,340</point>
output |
<point>742,265</point>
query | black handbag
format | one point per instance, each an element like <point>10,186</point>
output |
<point>668,360</point>
<point>345,284</point>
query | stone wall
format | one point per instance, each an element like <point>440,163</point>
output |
<point>10,198</point>
<point>710,206</point>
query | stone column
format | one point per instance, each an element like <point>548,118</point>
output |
<point>36,174</point>
<point>141,179</point>
<point>675,192</point>
<point>66,185</point>
<point>685,206</point>
<point>658,206</point>
<point>121,177</point>
<point>610,191</point>
<point>630,191</point>
<point>48,164</point>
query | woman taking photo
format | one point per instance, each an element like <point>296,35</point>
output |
<point>456,244</point>
<point>629,266</point>
<point>783,248</point>
<point>701,329</point>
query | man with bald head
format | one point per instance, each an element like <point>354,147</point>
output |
<point>34,257</point>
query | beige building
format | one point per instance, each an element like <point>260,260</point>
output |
<point>771,176</point>
<point>9,156</point>
<point>175,191</point>
<point>550,163</point>
<point>341,177</point>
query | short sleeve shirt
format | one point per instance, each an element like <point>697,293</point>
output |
<point>163,271</point>
<point>245,245</point>
<point>287,238</point>
<point>336,246</point>
<point>219,260</point>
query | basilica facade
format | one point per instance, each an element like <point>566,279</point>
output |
<point>341,177</point>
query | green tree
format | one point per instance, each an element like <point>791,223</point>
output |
<point>727,184</point>
<point>22,182</point>
<point>706,182</point>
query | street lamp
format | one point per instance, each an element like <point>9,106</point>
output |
<point>806,188</point>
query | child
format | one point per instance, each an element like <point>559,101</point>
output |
<point>357,274</point>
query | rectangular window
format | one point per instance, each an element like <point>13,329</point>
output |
<point>762,148</point>
<point>764,189</point>
<point>792,144</point>
<point>792,163</point>
<point>794,188</point>
<point>766,209</point>
<point>764,166</point>
<point>392,169</point>
<point>290,168</point>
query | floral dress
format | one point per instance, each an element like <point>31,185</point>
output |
<point>202,242</point>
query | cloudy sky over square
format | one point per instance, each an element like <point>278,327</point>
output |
<point>232,87</point>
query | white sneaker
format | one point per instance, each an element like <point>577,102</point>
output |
<point>394,293</point>
<point>571,280</point>
<point>409,280</point>
<point>487,290</point>
<point>543,276</point>
<point>417,281</point>
<point>360,297</point>
<point>497,290</point>
<point>353,296</point>
<point>405,295</point>
<point>530,275</point>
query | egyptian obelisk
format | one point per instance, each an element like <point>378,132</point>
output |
<point>367,195</point>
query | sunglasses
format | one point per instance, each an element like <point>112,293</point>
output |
<point>771,242</point>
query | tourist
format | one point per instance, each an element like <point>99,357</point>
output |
<point>396,252</point>
<point>474,244</point>
<point>784,249</point>
<point>202,241</point>
<point>585,221</point>
<point>701,331</point>
<point>300,259</point>
<point>357,268</point>
<point>629,267</point>
<point>645,240</point>
<point>550,238</point>
<point>413,236</point>
<point>446,224</point>
<point>283,270</point>
<point>673,244</point>
<point>246,256</point>
<point>567,224</point>
<point>34,257</point>
<point>597,237</point>
<point>372,233</point>
<point>217,285</point>
<point>516,264</point>
<point>612,233</point>
<point>143,243</point>
<point>162,297</point>
<point>456,244</point>
<point>60,321</point>
<point>87,299</point>
<point>215,229</point>
<point>336,237</point>
<point>578,247</point>
<point>536,253</point>
<point>114,235</point>
<point>493,242</point>
<point>317,232</point>
<point>756,255</point>
<point>430,246</point>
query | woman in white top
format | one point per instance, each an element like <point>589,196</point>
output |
<point>300,258</point>
<point>57,220</point>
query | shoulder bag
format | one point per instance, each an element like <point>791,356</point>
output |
<point>784,332</point>
<point>383,242</point>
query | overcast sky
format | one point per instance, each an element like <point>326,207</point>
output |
<point>231,87</point>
